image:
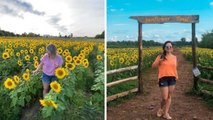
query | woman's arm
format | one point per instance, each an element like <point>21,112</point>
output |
<point>157,61</point>
<point>38,68</point>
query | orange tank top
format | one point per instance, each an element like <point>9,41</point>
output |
<point>167,67</point>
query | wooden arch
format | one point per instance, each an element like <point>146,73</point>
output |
<point>193,19</point>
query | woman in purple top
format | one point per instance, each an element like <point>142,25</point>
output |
<point>49,62</point>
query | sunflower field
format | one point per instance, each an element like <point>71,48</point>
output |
<point>204,58</point>
<point>124,57</point>
<point>78,93</point>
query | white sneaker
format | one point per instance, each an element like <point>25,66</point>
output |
<point>160,112</point>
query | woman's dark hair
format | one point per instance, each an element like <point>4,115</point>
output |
<point>164,52</point>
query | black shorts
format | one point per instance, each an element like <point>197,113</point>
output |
<point>167,81</point>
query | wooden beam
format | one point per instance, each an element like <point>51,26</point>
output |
<point>206,81</point>
<point>121,81</point>
<point>207,92</point>
<point>204,67</point>
<point>166,19</point>
<point>113,97</point>
<point>111,72</point>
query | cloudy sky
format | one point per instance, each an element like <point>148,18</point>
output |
<point>120,27</point>
<point>80,17</point>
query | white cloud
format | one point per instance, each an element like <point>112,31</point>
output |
<point>211,3</point>
<point>82,17</point>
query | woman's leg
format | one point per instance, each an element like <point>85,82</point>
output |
<point>168,102</point>
<point>164,93</point>
<point>45,88</point>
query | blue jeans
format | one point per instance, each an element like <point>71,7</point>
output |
<point>48,79</point>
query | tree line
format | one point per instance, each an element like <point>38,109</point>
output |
<point>31,34</point>
<point>206,42</point>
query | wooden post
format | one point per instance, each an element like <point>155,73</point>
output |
<point>194,59</point>
<point>140,81</point>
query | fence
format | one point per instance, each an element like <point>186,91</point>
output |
<point>205,80</point>
<point>117,71</point>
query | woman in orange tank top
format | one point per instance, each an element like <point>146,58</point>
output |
<point>167,76</point>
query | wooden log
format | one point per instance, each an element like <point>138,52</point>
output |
<point>194,57</point>
<point>113,97</point>
<point>206,81</point>
<point>207,92</point>
<point>111,72</point>
<point>140,80</point>
<point>204,67</point>
<point>121,81</point>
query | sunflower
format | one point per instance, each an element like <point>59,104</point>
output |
<point>99,57</point>
<point>18,54</point>
<point>71,66</point>
<point>26,76</point>
<point>26,51</point>
<point>19,63</point>
<point>60,73</point>
<point>48,103</point>
<point>59,50</point>
<point>7,50</point>
<point>36,64</point>
<point>86,64</point>
<point>86,52</point>
<point>68,58</point>
<point>55,86</point>
<point>77,62</point>
<point>5,55</point>
<point>9,83</point>
<point>64,54</point>
<point>121,60</point>
<point>112,63</point>
<point>66,51</point>
<point>21,51</point>
<point>81,56</point>
<point>35,58</point>
<point>16,79</point>
<point>27,57</point>
<point>85,61</point>
<point>31,51</point>
<point>75,58</point>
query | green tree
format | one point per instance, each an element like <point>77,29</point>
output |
<point>206,40</point>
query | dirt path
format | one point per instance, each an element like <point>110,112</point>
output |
<point>183,107</point>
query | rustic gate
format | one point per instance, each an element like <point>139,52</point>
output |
<point>193,19</point>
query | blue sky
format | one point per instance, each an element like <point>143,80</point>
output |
<point>120,27</point>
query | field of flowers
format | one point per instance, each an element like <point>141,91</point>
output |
<point>79,92</point>
<point>123,57</point>
<point>204,58</point>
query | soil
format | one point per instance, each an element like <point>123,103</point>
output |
<point>183,107</point>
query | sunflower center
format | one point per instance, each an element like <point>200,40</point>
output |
<point>9,83</point>
<point>60,72</point>
<point>55,86</point>
<point>69,65</point>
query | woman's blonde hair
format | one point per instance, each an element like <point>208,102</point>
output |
<point>52,49</point>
